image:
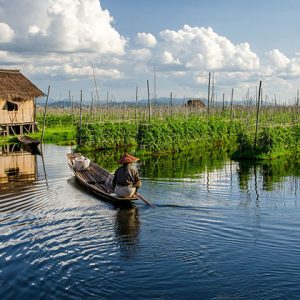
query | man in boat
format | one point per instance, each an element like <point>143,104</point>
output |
<point>126,181</point>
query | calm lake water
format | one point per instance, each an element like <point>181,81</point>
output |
<point>220,230</point>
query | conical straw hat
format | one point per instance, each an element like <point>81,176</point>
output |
<point>127,159</point>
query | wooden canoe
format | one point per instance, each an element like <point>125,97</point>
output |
<point>27,140</point>
<point>29,144</point>
<point>97,180</point>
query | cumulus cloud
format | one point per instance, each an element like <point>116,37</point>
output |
<point>6,33</point>
<point>143,54</point>
<point>277,59</point>
<point>65,26</point>
<point>168,59</point>
<point>282,66</point>
<point>64,38</point>
<point>146,40</point>
<point>199,47</point>
<point>68,70</point>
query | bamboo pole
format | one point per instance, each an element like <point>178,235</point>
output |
<point>97,93</point>
<point>257,115</point>
<point>92,107</point>
<point>208,93</point>
<point>231,104</point>
<point>297,103</point>
<point>136,103</point>
<point>212,91</point>
<point>80,119</point>
<point>223,102</point>
<point>149,103</point>
<point>45,112</point>
<point>171,104</point>
<point>107,97</point>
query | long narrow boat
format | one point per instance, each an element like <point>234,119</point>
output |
<point>97,180</point>
<point>27,140</point>
<point>30,144</point>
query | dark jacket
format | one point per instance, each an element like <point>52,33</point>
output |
<point>127,175</point>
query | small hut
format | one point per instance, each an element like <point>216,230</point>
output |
<point>17,103</point>
<point>195,103</point>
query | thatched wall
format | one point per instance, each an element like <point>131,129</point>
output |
<point>24,114</point>
<point>17,96</point>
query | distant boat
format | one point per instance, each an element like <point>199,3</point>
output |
<point>30,144</point>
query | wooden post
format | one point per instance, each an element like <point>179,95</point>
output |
<point>231,104</point>
<point>171,104</point>
<point>212,91</point>
<point>97,94</point>
<point>297,104</point>
<point>154,87</point>
<point>34,113</point>
<point>257,115</point>
<point>107,104</point>
<point>136,103</point>
<point>92,107</point>
<point>208,93</point>
<point>149,102</point>
<point>45,112</point>
<point>80,119</point>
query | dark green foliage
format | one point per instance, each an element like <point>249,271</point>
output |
<point>272,142</point>
<point>55,120</point>
<point>182,134</point>
<point>171,134</point>
<point>108,135</point>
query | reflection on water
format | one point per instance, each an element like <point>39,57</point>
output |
<point>16,164</point>
<point>269,176</point>
<point>18,179</point>
<point>127,230</point>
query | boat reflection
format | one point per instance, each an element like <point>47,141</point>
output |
<point>127,226</point>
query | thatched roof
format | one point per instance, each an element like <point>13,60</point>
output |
<point>15,86</point>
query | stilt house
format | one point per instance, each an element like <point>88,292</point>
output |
<point>17,103</point>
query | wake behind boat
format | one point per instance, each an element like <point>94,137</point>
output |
<point>95,179</point>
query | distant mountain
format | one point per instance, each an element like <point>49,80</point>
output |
<point>65,103</point>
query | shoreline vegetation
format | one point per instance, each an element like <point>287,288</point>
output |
<point>233,129</point>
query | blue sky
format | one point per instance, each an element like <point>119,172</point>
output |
<point>264,24</point>
<point>61,42</point>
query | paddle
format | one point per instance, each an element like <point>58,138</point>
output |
<point>145,200</point>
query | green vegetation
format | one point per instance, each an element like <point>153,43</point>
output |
<point>174,134</point>
<point>107,135</point>
<point>272,142</point>
<point>175,129</point>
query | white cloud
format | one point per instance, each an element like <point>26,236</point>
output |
<point>35,30</point>
<point>277,59</point>
<point>146,39</point>
<point>6,33</point>
<point>62,39</point>
<point>64,26</point>
<point>141,54</point>
<point>69,71</point>
<point>168,59</point>
<point>199,47</point>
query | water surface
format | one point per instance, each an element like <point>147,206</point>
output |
<point>220,230</point>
